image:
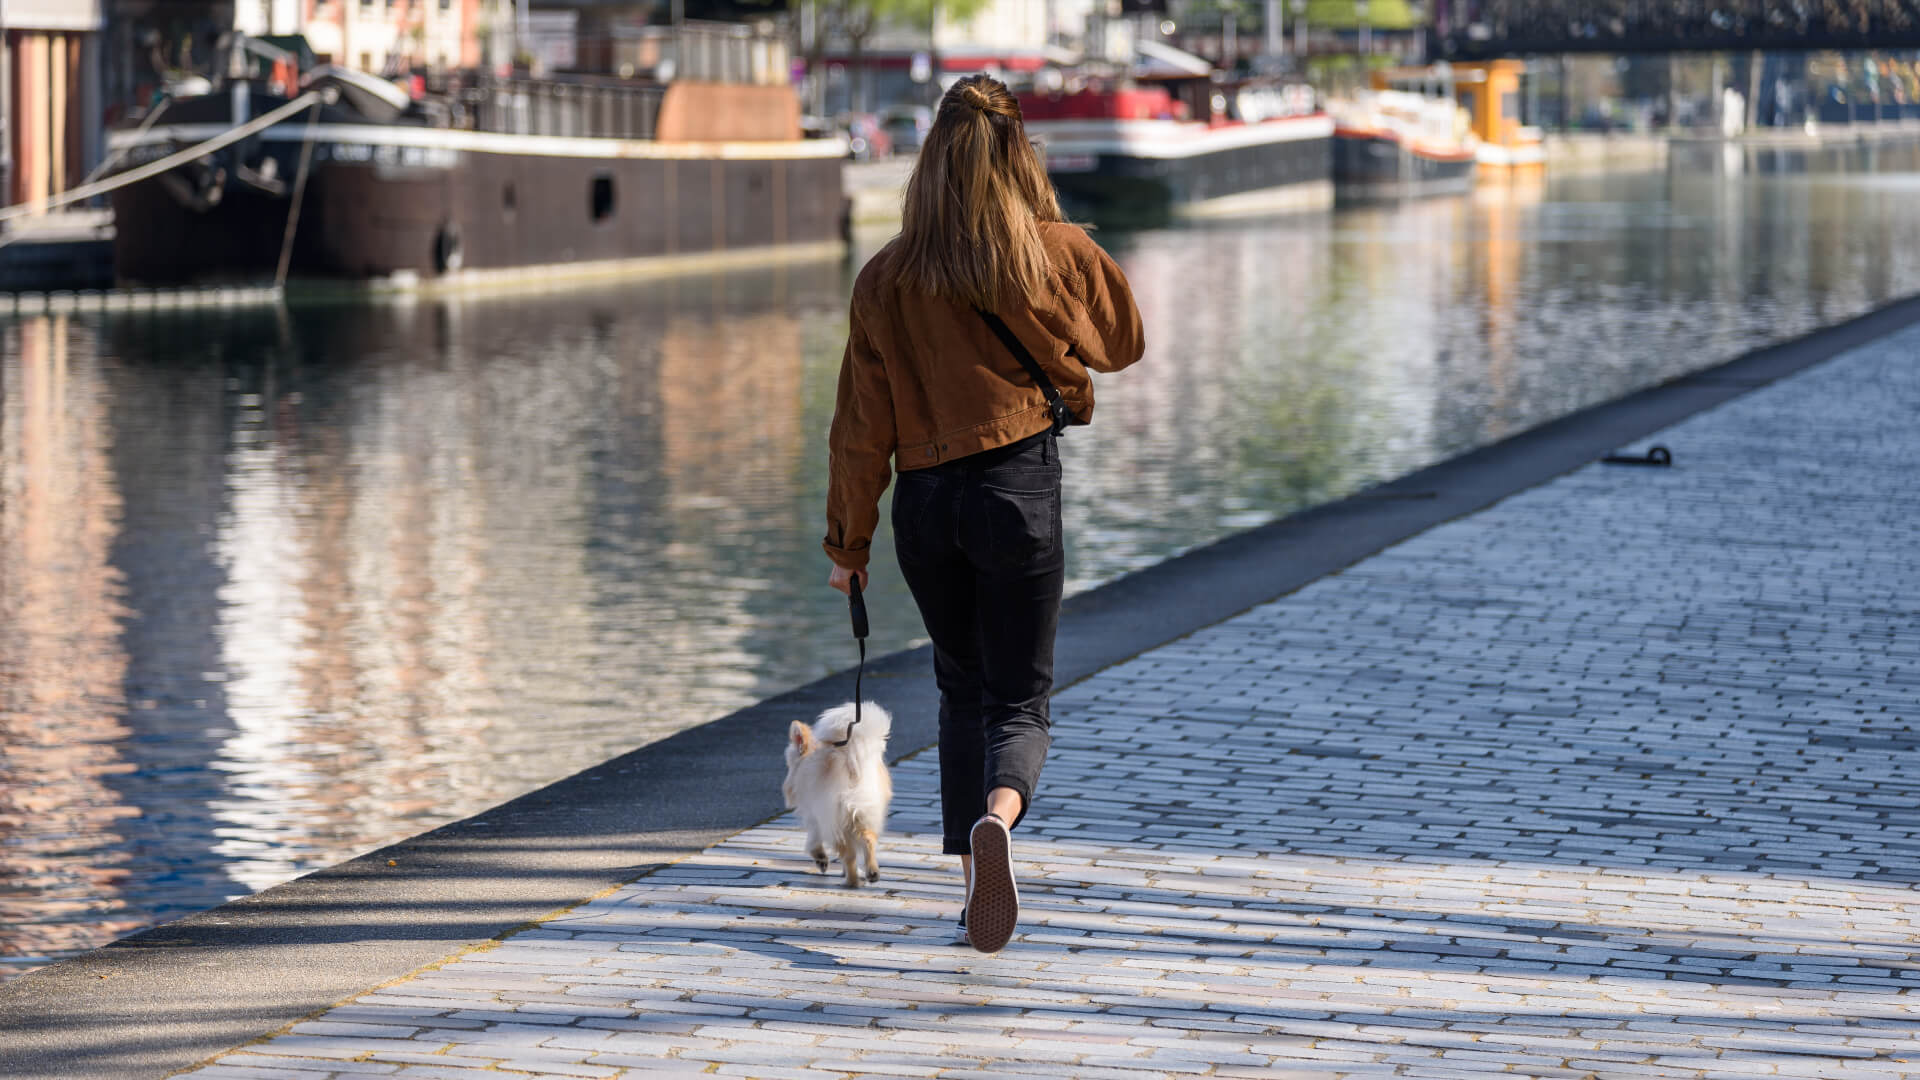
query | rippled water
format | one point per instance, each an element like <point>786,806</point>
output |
<point>280,586</point>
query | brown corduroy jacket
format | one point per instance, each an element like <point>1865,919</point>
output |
<point>924,380</point>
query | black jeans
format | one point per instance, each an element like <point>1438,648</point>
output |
<point>979,544</point>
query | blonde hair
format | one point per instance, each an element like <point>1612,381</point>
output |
<point>970,228</point>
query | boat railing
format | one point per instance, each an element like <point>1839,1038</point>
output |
<point>714,52</point>
<point>727,53</point>
<point>608,106</point>
<point>582,109</point>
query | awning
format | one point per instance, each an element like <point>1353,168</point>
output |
<point>959,59</point>
<point>1161,59</point>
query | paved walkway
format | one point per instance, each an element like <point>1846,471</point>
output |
<point>1616,778</point>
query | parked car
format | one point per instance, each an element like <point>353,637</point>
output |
<point>907,125</point>
<point>866,139</point>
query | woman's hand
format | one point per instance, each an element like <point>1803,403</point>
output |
<point>841,576</point>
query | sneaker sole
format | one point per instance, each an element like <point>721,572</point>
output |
<point>993,907</point>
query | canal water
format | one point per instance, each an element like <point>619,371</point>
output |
<point>279,586</point>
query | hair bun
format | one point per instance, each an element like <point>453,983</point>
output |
<point>975,97</point>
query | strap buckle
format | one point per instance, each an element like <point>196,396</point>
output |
<point>1062,416</point>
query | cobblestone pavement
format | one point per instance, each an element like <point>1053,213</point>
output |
<point>1612,779</point>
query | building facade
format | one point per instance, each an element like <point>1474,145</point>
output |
<point>52,90</point>
<point>379,35</point>
<point>892,63</point>
<point>153,44</point>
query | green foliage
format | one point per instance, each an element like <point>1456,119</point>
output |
<point>959,11</point>
<point>1381,14</point>
<point>1344,68</point>
<point>1210,14</point>
<point>902,12</point>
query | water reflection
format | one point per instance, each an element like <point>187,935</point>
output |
<point>276,587</point>
<point>62,827</point>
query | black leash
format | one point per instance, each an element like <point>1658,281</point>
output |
<point>857,607</point>
<point>1659,455</point>
<point>1056,405</point>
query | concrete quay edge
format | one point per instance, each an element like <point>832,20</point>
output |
<point>172,996</point>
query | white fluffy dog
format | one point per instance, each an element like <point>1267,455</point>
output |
<point>841,792</point>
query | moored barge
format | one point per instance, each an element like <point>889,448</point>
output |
<point>505,175</point>
<point>1392,143</point>
<point>1186,148</point>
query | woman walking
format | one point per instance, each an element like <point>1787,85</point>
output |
<point>934,378</point>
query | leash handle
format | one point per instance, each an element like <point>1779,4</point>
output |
<point>857,607</point>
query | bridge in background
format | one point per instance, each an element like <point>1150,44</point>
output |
<point>1484,29</point>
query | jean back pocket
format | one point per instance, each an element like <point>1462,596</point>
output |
<point>1021,514</point>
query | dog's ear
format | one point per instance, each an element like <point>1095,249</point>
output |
<point>802,737</point>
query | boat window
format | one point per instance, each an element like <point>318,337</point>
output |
<point>602,198</point>
<point>509,198</point>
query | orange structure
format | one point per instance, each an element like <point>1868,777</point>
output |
<point>1490,92</point>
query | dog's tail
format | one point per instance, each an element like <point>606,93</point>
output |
<point>870,734</point>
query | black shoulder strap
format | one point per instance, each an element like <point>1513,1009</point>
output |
<point>1056,405</point>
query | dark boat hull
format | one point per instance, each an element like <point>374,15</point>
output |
<point>1133,171</point>
<point>1379,164</point>
<point>388,202</point>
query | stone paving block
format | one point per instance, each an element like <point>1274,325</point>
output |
<point>1281,1071</point>
<point>506,1033</point>
<point>223,1071</point>
<point>327,1046</point>
<point>633,1043</point>
<point>423,1056</point>
<point>344,1029</point>
<point>884,1064</point>
<point>330,1068</point>
<point>1144,1066</point>
<point>651,1066</point>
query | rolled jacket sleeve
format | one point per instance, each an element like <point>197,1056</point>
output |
<point>860,445</point>
<point>1112,337</point>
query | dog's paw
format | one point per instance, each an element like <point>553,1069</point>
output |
<point>873,875</point>
<point>820,861</point>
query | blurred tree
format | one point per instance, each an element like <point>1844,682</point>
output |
<point>1207,15</point>
<point>1381,14</point>
<point>856,20</point>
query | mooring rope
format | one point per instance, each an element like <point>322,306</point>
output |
<point>112,159</point>
<point>171,161</point>
<point>299,195</point>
